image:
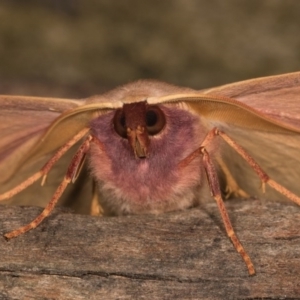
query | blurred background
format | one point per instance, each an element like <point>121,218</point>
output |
<point>73,48</point>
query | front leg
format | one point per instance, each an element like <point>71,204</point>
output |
<point>214,185</point>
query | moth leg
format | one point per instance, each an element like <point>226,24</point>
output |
<point>216,193</point>
<point>96,208</point>
<point>232,188</point>
<point>214,185</point>
<point>258,170</point>
<point>70,174</point>
<point>46,168</point>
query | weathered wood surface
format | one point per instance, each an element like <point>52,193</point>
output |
<point>182,255</point>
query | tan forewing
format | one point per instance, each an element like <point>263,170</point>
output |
<point>24,120</point>
<point>277,96</point>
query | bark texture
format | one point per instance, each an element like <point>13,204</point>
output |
<point>182,255</point>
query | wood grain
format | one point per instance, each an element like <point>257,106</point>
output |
<point>182,255</point>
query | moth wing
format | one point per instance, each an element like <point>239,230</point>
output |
<point>276,96</point>
<point>277,101</point>
<point>24,120</point>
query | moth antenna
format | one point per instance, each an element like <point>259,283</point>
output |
<point>46,168</point>
<point>72,169</point>
<point>256,167</point>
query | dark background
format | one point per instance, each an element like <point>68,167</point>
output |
<point>76,48</point>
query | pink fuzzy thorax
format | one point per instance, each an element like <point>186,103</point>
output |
<point>154,184</point>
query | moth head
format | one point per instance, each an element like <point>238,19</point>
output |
<point>136,122</point>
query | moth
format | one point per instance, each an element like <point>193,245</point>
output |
<point>152,147</point>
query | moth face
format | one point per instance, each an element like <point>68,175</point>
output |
<point>137,122</point>
<point>136,154</point>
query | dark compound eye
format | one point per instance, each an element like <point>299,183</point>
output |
<point>119,123</point>
<point>155,120</point>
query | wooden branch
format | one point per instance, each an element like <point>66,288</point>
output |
<point>182,255</point>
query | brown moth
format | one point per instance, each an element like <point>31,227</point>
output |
<point>152,147</point>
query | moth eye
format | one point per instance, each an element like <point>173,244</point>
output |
<point>155,120</point>
<point>119,123</point>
